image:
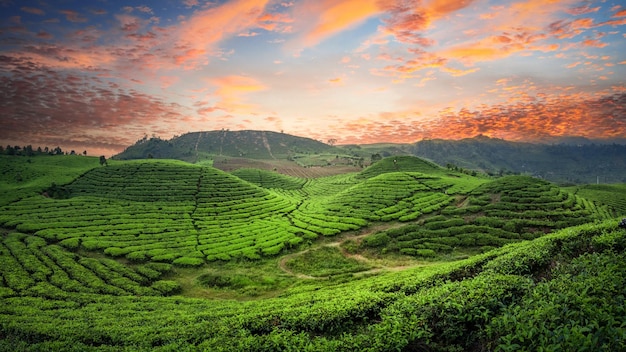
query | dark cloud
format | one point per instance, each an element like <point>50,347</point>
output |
<point>42,104</point>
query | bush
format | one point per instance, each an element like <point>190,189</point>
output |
<point>167,287</point>
<point>188,261</point>
<point>70,243</point>
<point>426,253</point>
<point>137,256</point>
<point>380,239</point>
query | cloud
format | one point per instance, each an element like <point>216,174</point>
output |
<point>49,106</point>
<point>533,120</point>
<point>190,3</point>
<point>620,13</point>
<point>73,16</point>
<point>231,91</point>
<point>144,9</point>
<point>33,10</point>
<point>408,19</point>
<point>318,20</point>
<point>197,37</point>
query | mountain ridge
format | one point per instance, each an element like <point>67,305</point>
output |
<point>568,159</point>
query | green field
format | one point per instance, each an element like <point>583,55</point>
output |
<point>404,255</point>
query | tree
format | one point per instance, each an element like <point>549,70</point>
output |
<point>332,141</point>
<point>376,157</point>
<point>84,152</point>
<point>103,160</point>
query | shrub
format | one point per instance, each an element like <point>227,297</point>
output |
<point>188,261</point>
<point>380,239</point>
<point>167,287</point>
<point>426,253</point>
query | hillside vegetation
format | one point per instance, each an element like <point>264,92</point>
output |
<point>564,163</point>
<point>197,146</point>
<point>22,176</point>
<point>564,291</point>
<point>405,255</point>
<point>567,160</point>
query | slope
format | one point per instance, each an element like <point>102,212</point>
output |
<point>22,176</point>
<point>564,291</point>
<point>565,163</point>
<point>196,146</point>
<point>506,210</point>
<point>159,210</point>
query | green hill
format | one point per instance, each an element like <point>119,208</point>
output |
<point>506,210</point>
<point>564,291</point>
<point>401,163</point>
<point>198,146</point>
<point>268,179</point>
<point>165,255</point>
<point>22,176</point>
<point>609,195</point>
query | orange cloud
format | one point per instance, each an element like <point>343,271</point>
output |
<point>232,89</point>
<point>621,13</point>
<point>327,17</point>
<point>198,36</point>
<point>532,120</point>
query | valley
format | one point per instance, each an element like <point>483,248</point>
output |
<point>403,254</point>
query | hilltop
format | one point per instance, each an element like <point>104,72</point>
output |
<point>196,146</point>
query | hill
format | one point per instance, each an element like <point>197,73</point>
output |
<point>564,163</point>
<point>21,176</point>
<point>563,291</point>
<point>567,160</point>
<point>405,255</point>
<point>198,146</point>
<point>201,214</point>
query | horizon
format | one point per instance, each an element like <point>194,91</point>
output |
<point>558,140</point>
<point>100,77</point>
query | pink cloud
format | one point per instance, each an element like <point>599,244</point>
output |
<point>33,10</point>
<point>318,20</point>
<point>198,35</point>
<point>88,107</point>
<point>73,16</point>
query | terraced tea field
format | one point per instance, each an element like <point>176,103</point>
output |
<point>188,215</point>
<point>114,258</point>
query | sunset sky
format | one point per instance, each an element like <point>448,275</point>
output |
<point>99,75</point>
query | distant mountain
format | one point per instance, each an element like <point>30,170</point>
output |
<point>194,146</point>
<point>575,162</point>
<point>565,160</point>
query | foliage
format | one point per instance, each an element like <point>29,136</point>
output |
<point>323,262</point>
<point>567,295</point>
<point>506,210</point>
<point>579,162</point>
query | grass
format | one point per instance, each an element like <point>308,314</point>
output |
<point>324,261</point>
<point>22,176</point>
<point>240,280</point>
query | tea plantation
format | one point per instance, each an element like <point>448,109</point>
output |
<point>405,255</point>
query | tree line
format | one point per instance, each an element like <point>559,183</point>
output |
<point>30,151</point>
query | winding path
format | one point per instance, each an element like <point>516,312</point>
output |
<point>282,263</point>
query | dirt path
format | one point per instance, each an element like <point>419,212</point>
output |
<point>267,146</point>
<point>282,264</point>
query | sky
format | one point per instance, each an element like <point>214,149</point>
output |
<point>99,75</point>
